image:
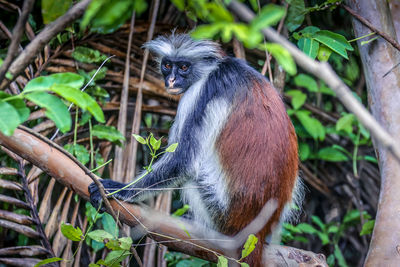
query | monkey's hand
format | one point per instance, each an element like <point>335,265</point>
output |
<point>110,186</point>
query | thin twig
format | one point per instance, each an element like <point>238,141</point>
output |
<point>372,27</point>
<point>139,98</point>
<point>51,30</point>
<point>123,108</point>
<point>16,37</point>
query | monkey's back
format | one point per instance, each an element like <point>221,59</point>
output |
<point>257,148</point>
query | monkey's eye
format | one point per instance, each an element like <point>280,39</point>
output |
<point>167,66</point>
<point>184,67</point>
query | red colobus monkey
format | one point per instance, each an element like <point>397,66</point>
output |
<point>237,146</point>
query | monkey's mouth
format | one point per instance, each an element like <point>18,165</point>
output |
<point>174,91</point>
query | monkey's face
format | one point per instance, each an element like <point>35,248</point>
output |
<point>177,74</point>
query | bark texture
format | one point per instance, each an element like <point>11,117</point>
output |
<point>378,58</point>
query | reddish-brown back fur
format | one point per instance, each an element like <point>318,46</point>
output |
<point>258,149</point>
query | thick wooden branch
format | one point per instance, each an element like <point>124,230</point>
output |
<point>170,231</point>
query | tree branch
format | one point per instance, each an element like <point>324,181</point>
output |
<point>51,30</point>
<point>16,37</point>
<point>172,232</point>
<point>372,27</point>
<point>324,71</point>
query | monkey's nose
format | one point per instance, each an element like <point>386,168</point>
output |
<point>171,82</point>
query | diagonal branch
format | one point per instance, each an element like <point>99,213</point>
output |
<point>324,71</point>
<point>62,166</point>
<point>16,37</point>
<point>42,39</point>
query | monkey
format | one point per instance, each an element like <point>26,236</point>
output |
<point>237,147</point>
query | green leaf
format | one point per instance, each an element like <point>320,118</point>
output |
<point>243,264</point>
<point>324,53</point>
<point>345,123</point>
<point>52,9</point>
<point>249,246</point>
<point>88,55</point>
<point>295,16</point>
<point>292,228</point>
<point>109,133</point>
<point>109,224</point>
<point>126,242</point>
<point>72,233</point>
<point>94,108</point>
<point>46,261</point>
<point>339,256</point>
<point>19,105</point>
<point>222,262</point>
<point>9,118</point>
<point>306,81</point>
<point>306,228</point>
<point>180,4</point>
<point>100,235</point>
<point>334,41</point>
<point>324,238</point>
<point>283,57</point>
<point>309,47</point>
<point>71,94</point>
<point>208,31</point>
<point>139,139</point>
<point>153,141</point>
<point>352,216</point>
<point>312,125</point>
<point>298,98</point>
<point>268,16</point>
<point>304,151</point>
<point>106,16</point>
<point>172,147</point>
<point>333,229</point>
<point>331,154</point>
<point>317,221</point>
<point>218,13</point>
<point>367,228</point>
<point>79,151</point>
<point>116,256</point>
<point>55,109</point>
<point>44,83</point>
<point>181,211</point>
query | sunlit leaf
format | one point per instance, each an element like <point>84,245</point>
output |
<point>9,118</point>
<point>70,232</point>
<point>46,261</point>
<point>367,228</point>
<point>172,147</point>
<point>56,110</point>
<point>52,9</point>
<point>268,16</point>
<point>100,235</point>
<point>249,246</point>
<point>306,81</point>
<point>331,154</point>
<point>43,83</point>
<point>109,133</point>
<point>222,261</point>
<point>309,46</point>
<point>88,55</point>
<point>283,57</point>
<point>139,139</point>
<point>298,98</point>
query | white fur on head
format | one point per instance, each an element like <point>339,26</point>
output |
<point>182,45</point>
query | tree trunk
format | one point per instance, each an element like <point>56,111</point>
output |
<point>378,57</point>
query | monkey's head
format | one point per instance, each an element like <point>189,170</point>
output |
<point>184,61</point>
